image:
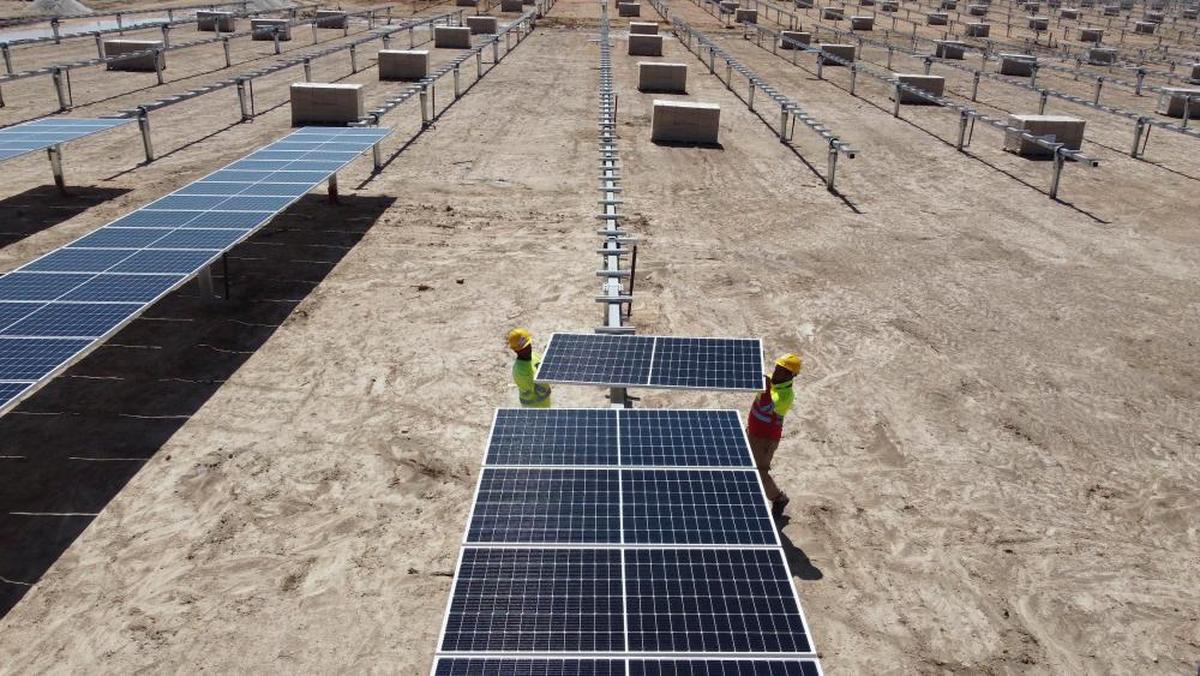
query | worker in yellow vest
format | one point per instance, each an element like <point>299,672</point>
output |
<point>765,426</point>
<point>526,364</point>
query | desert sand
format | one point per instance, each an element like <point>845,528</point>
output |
<point>994,460</point>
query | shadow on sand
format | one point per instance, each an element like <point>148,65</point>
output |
<point>45,206</point>
<point>802,567</point>
<point>66,452</point>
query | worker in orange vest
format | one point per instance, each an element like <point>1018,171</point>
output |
<point>765,426</point>
<point>532,395</point>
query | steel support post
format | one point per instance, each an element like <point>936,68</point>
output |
<point>1059,159</point>
<point>1141,77</point>
<point>333,189</point>
<point>1043,98</point>
<point>928,64</point>
<point>54,153</point>
<point>204,282</point>
<point>478,65</point>
<point>144,126</point>
<point>159,62</point>
<point>307,69</point>
<point>99,46</point>
<point>750,95</point>
<point>962,129</point>
<point>377,157</point>
<point>1099,86</point>
<point>783,122</point>
<point>853,77</point>
<point>975,87</point>
<point>833,156</point>
<point>228,57</point>
<point>896,99</point>
<point>244,100</point>
<point>353,59</point>
<point>4,48</point>
<point>166,35</point>
<point>54,28</point>
<point>61,88</point>
<point>424,106</point>
<point>1139,127</point>
<point>457,92</point>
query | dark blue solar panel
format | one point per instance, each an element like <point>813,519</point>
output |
<point>82,320</point>
<point>536,600</point>
<point>553,437</point>
<point>256,203</point>
<point>290,189</point>
<point>9,391</point>
<point>33,358</point>
<point>524,666</point>
<point>707,363</point>
<point>259,165</point>
<point>674,438</point>
<point>241,220</point>
<point>199,239</point>
<point>154,219</point>
<point>238,176</point>
<point>696,507</point>
<point>712,600</point>
<point>597,358</point>
<point>123,288</point>
<point>10,312</point>
<point>314,165</point>
<point>120,238</point>
<point>36,134</point>
<point>309,177</point>
<point>546,506</point>
<point>79,260</point>
<point>38,285</point>
<point>164,261</point>
<point>722,667</point>
<point>212,188</point>
<point>187,202</point>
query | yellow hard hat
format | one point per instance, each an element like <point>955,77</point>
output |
<point>519,339</point>
<point>791,362</point>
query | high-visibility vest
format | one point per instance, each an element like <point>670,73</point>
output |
<point>767,411</point>
<point>531,394</point>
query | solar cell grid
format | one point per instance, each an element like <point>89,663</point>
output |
<point>27,137</point>
<point>707,363</point>
<point>546,506</point>
<point>497,666</point>
<point>671,438</point>
<point>123,288</point>
<point>695,507</point>
<point>596,358</point>
<point>31,358</point>
<point>653,361</point>
<point>553,437</point>
<point>79,260</point>
<point>12,312</point>
<point>120,238</point>
<point>75,320</point>
<point>717,667</point>
<point>9,391</point>
<point>39,285</point>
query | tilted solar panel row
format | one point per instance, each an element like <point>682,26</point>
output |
<point>524,666</point>
<point>27,137</point>
<point>56,308</point>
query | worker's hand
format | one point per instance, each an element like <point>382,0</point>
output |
<point>766,383</point>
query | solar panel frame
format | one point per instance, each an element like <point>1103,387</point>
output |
<point>27,137</point>
<point>507,665</point>
<point>71,286</point>
<point>593,360</point>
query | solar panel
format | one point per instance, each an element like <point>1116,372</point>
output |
<point>553,437</point>
<point>712,601</point>
<point>653,361</point>
<point>723,667</point>
<point>704,507</point>
<point>546,506</point>
<point>672,438</point>
<point>508,666</point>
<point>100,281</point>
<point>526,666</point>
<point>27,137</point>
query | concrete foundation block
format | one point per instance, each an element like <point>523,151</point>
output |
<point>948,4</point>
<point>320,103</point>
<point>636,28</point>
<point>803,4</point>
<point>645,45</point>
<point>332,18</point>
<point>1126,4</point>
<point>1195,77</point>
<point>862,23</point>
<point>629,9</point>
<point>669,78</point>
<point>949,49</point>
<point>977,10</point>
<point>933,84</point>
<point>1039,23</point>
<point>1090,35</point>
<point>1068,14</point>
<point>511,6</point>
<point>403,64</point>
<point>1032,8</point>
<point>1191,13</point>
<point>1144,27</point>
<point>1065,129</point>
<point>866,3</point>
<point>466,3</point>
<point>1021,65</point>
<point>452,37</point>
<point>977,30</point>
<point>1171,101</point>
<point>481,25</point>
<point>729,6</point>
<point>889,6</point>
<point>937,18</point>
<point>146,62</point>
<point>1102,56</point>
<point>685,122</point>
<point>788,39</point>
<point>833,14</point>
<point>264,29</point>
<point>1087,3</point>
<point>746,16</point>
<point>1154,17</point>
<point>209,21</point>
<point>844,52</point>
<point>1112,10</point>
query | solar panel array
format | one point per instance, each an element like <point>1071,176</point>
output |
<point>653,361</point>
<point>51,131</point>
<point>56,308</point>
<point>622,541</point>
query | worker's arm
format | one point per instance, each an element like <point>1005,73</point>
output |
<point>766,383</point>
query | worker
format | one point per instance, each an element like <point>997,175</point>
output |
<point>533,395</point>
<point>765,426</point>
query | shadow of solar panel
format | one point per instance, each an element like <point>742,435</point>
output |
<point>39,285</point>
<point>695,507</point>
<point>723,667</point>
<point>32,358</point>
<point>707,363</point>
<point>712,601</point>
<point>675,438</point>
<point>546,506</point>
<point>596,359</point>
<point>123,288</point>
<point>553,437</point>
<point>120,238</point>
<point>11,313</point>
<point>523,666</point>
<point>79,260</point>
<point>75,320</point>
<point>544,600</point>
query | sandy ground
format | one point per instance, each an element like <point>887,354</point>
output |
<point>993,459</point>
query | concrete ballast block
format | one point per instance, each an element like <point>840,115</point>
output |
<point>403,64</point>
<point>788,39</point>
<point>452,37</point>
<point>978,30</point>
<point>1039,23</point>
<point>482,24</point>
<point>645,45</point>
<point>629,9</point>
<point>512,6</point>
<point>937,18</point>
<point>949,49</point>
<point>655,76</point>
<point>1090,35</point>
<point>137,63</point>
<point>832,14</point>
<point>889,6</point>
<point>210,21</point>
<point>1068,13</point>
<point>264,29</point>
<point>1171,102</point>
<point>685,122</point>
<point>1017,64</point>
<point>746,16</point>
<point>331,18</point>
<point>466,3</point>
<point>977,10</point>
<point>933,84</point>
<point>1063,128</point>
<point>637,28</point>
<point>1144,27</point>
<point>1196,73</point>
<point>1112,10</point>
<point>321,103</point>
<point>862,23</point>
<point>1102,56</point>
<point>844,52</point>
